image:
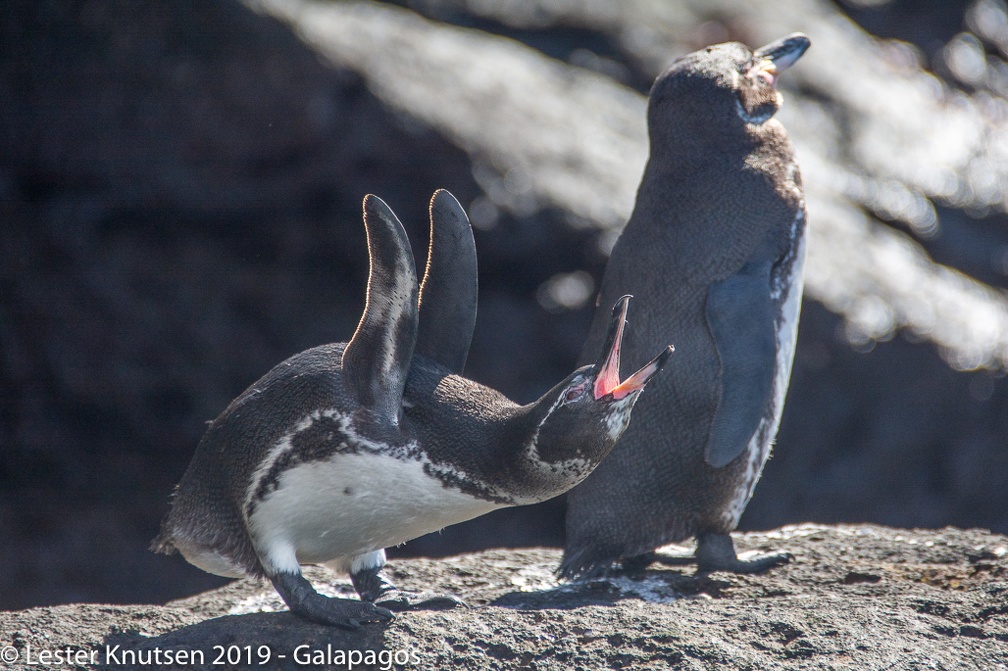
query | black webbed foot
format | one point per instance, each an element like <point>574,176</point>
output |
<point>372,586</point>
<point>304,601</point>
<point>639,563</point>
<point>714,552</point>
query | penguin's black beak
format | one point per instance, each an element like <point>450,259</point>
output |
<point>779,55</point>
<point>607,376</point>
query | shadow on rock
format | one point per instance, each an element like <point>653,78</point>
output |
<point>274,640</point>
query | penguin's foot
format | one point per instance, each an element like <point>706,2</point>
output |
<point>639,563</point>
<point>305,602</point>
<point>714,552</point>
<point>372,586</point>
<point>757,564</point>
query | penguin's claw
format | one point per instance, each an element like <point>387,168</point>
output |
<point>351,617</point>
<point>306,603</point>
<point>354,617</point>
<point>372,586</point>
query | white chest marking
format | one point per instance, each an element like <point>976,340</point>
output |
<point>618,417</point>
<point>285,445</point>
<point>350,504</point>
<point>790,289</point>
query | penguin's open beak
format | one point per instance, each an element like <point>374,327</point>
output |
<point>779,55</point>
<point>607,376</point>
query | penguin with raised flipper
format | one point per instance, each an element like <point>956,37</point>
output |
<point>715,250</point>
<point>345,449</point>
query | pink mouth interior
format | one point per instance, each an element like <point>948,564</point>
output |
<point>608,378</point>
<point>636,381</point>
<point>767,70</point>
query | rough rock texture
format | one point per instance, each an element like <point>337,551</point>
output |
<point>856,597</point>
<point>180,189</point>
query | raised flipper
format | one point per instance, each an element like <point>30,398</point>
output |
<point>377,358</point>
<point>449,288</point>
<point>740,315</point>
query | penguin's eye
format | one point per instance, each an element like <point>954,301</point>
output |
<point>574,393</point>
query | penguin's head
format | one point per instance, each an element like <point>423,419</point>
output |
<point>725,88</point>
<point>586,413</point>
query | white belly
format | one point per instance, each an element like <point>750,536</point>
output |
<point>209,560</point>
<point>350,504</point>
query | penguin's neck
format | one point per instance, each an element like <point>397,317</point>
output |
<point>687,159</point>
<point>482,433</point>
<point>566,444</point>
<point>460,421</point>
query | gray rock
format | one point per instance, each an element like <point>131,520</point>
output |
<point>856,597</point>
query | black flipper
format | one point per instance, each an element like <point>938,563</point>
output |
<point>740,315</point>
<point>377,358</point>
<point>448,292</point>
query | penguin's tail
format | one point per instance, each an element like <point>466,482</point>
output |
<point>584,564</point>
<point>225,555</point>
<point>164,543</point>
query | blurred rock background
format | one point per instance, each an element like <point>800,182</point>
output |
<point>180,190</point>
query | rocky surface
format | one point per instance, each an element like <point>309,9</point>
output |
<point>180,194</point>
<point>856,597</point>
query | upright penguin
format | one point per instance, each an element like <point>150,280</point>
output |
<point>345,449</point>
<point>715,249</point>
